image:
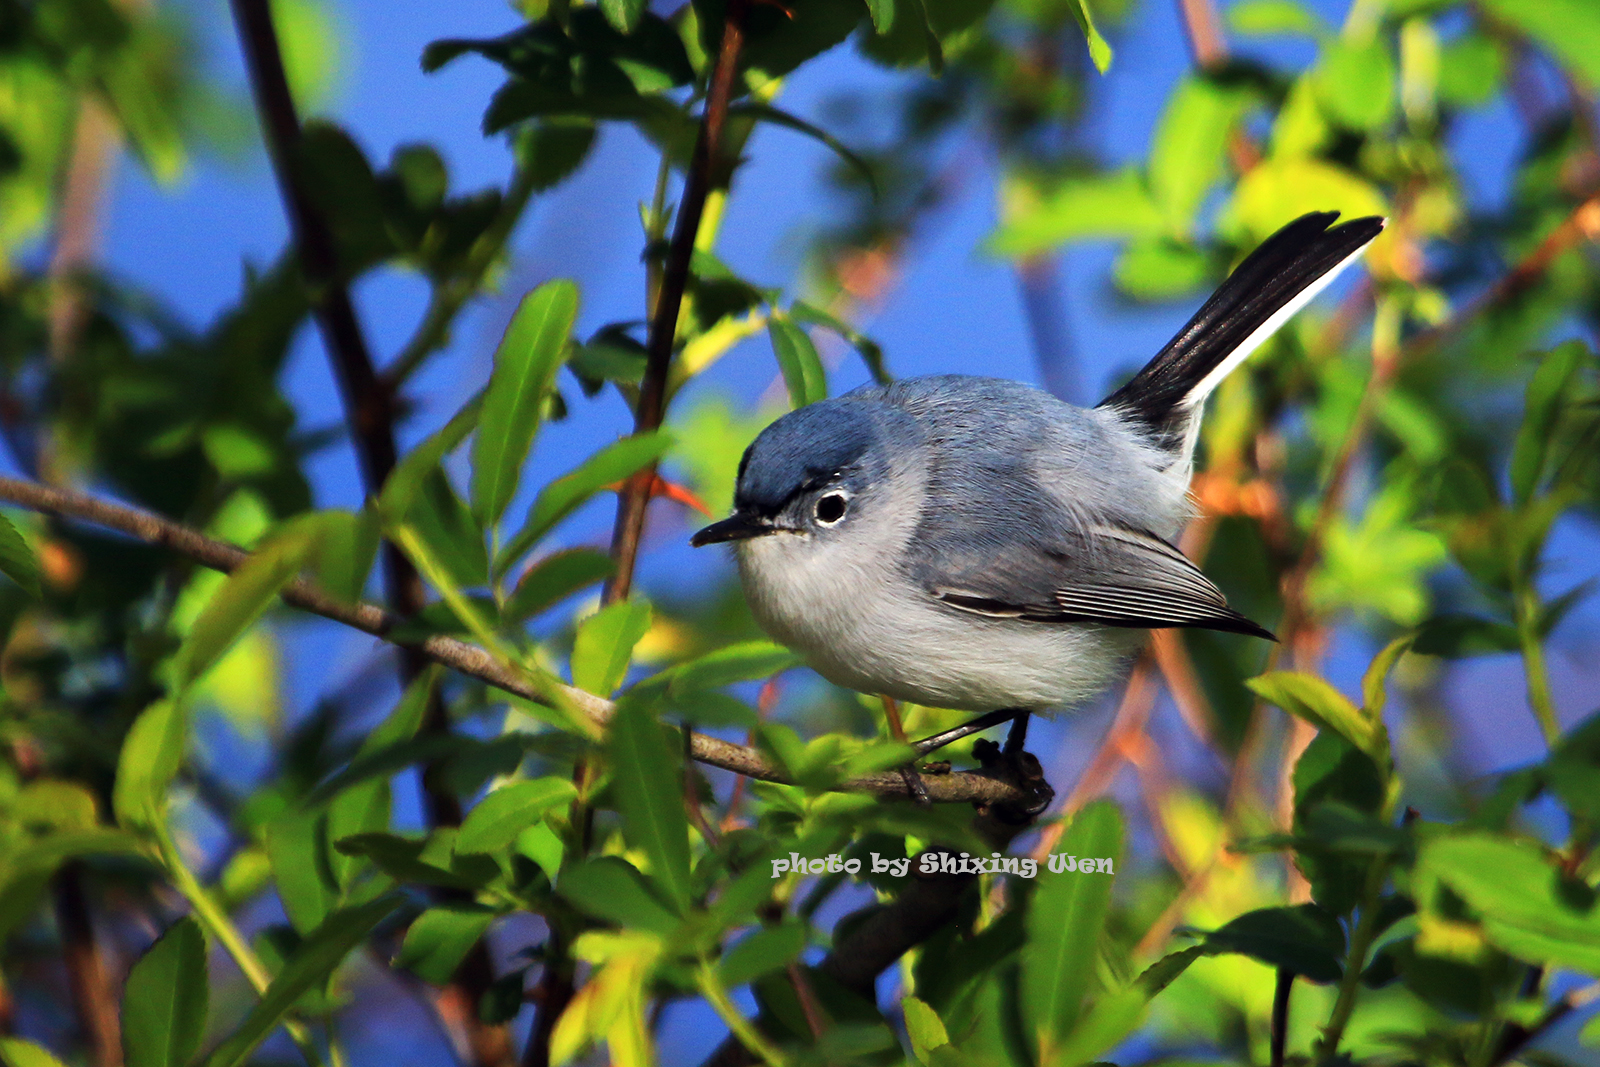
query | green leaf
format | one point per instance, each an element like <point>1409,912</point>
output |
<point>623,14</point>
<point>870,351</point>
<point>165,1001</point>
<point>648,780</point>
<point>440,938</point>
<point>1283,187</point>
<point>764,112</point>
<point>405,482</point>
<point>1066,919</point>
<point>797,358</point>
<point>1548,393</point>
<point>499,817</point>
<point>1270,18</point>
<point>763,952</point>
<point>1356,82</point>
<point>525,366</point>
<point>1189,155</point>
<point>318,956</point>
<point>924,1028</point>
<point>747,661</point>
<point>431,860</point>
<point>1040,215</point>
<point>1099,50</point>
<point>1305,939</point>
<point>240,600</point>
<point>17,1052</point>
<point>149,761</point>
<point>1314,700</point>
<point>297,847</point>
<point>882,14</point>
<point>544,847</point>
<point>17,560</point>
<point>1157,268</point>
<point>1461,636</point>
<point>1529,907</point>
<point>616,461</point>
<point>612,889</point>
<point>603,647</point>
<point>1115,1016</point>
<point>1374,683</point>
<point>1569,29</point>
<point>553,579</point>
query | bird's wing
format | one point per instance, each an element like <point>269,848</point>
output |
<point>1106,574</point>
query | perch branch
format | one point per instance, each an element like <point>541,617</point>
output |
<point>461,656</point>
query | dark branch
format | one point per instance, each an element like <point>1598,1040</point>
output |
<point>703,167</point>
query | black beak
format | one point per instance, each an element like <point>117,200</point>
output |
<point>739,526</point>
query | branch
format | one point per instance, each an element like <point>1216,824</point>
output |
<point>369,406</point>
<point>635,496</point>
<point>985,787</point>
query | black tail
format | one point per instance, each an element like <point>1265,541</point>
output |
<point>1270,286</point>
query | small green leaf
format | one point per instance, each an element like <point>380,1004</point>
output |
<point>1099,50</point>
<point>17,560</point>
<point>149,761</point>
<point>440,938</point>
<point>499,817</point>
<point>1271,18</point>
<point>924,1027</point>
<point>405,482</point>
<point>297,846</point>
<point>1066,919</point>
<point>882,13</point>
<point>604,645</point>
<point>553,579</point>
<point>612,889</point>
<point>1549,391</point>
<point>525,366</point>
<point>318,956</point>
<point>616,461</point>
<point>624,15</point>
<point>165,1001</point>
<point>1115,1016</point>
<point>1305,939</point>
<point>1357,82</point>
<point>1189,155</point>
<point>240,600</point>
<point>747,661</point>
<point>648,780</point>
<point>1314,700</point>
<point>1039,215</point>
<point>1374,683</point>
<point>544,847</point>
<point>761,953</point>
<point>797,358</point>
<point>17,1052</point>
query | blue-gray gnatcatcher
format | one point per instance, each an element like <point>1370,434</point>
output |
<point>974,543</point>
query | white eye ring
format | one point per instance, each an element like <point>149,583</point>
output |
<point>830,509</point>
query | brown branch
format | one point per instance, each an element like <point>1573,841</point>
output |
<point>987,787</point>
<point>92,988</point>
<point>1202,27</point>
<point>370,411</point>
<point>703,167</point>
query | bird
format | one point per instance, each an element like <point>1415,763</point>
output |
<point>978,544</point>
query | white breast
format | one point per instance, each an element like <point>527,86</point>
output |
<point>861,624</point>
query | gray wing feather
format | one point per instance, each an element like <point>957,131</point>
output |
<point>1109,575</point>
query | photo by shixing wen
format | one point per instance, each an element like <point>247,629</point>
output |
<point>573,533</point>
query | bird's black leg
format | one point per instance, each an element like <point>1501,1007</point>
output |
<point>1018,735</point>
<point>967,729</point>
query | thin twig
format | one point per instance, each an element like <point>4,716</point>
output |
<point>1280,1015</point>
<point>635,497</point>
<point>462,656</point>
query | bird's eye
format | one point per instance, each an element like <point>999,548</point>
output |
<point>831,508</point>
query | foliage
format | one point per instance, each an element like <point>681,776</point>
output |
<point>1397,485</point>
